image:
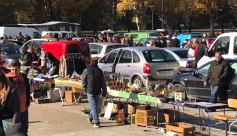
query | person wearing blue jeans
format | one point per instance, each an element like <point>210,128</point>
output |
<point>93,81</point>
<point>93,101</point>
<point>216,76</point>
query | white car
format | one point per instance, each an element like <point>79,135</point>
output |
<point>36,42</point>
<point>181,55</point>
<point>100,49</point>
<point>226,44</point>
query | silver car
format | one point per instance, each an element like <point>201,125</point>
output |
<point>141,63</point>
<point>181,55</point>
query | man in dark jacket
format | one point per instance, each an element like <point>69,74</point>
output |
<point>216,76</point>
<point>25,59</point>
<point>157,42</point>
<point>21,83</point>
<point>93,81</point>
<point>175,42</point>
<point>201,51</point>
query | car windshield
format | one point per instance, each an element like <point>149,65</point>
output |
<point>9,49</point>
<point>158,56</point>
<point>182,53</point>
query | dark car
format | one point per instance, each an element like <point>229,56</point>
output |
<point>193,82</point>
<point>10,52</point>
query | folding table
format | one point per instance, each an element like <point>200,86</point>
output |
<point>206,106</point>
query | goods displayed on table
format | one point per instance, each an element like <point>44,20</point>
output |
<point>117,82</point>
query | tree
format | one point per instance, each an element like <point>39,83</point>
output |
<point>47,10</point>
<point>212,7</point>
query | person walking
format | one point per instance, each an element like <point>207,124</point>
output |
<point>174,41</point>
<point>216,76</point>
<point>93,81</point>
<point>25,59</point>
<point>21,83</point>
<point>201,51</point>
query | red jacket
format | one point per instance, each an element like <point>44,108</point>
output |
<point>195,50</point>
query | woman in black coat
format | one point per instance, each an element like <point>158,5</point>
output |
<point>9,104</point>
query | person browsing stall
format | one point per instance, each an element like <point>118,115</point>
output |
<point>52,64</point>
<point>25,59</point>
<point>216,76</point>
<point>93,81</point>
<point>21,83</point>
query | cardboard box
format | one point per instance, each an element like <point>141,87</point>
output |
<point>181,129</point>
<point>145,117</point>
<point>130,108</point>
<point>69,96</point>
<point>117,106</point>
<point>168,116</point>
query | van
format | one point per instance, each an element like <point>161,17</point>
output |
<point>14,31</point>
<point>183,37</point>
<point>59,48</point>
<point>62,34</point>
<point>226,44</point>
<point>139,35</point>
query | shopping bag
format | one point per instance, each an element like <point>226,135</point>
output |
<point>100,105</point>
<point>191,52</point>
<point>6,123</point>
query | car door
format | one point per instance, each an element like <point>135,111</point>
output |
<point>124,64</point>
<point>232,91</point>
<point>201,74</point>
<point>109,61</point>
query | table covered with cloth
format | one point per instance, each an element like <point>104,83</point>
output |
<point>76,86</point>
<point>134,96</point>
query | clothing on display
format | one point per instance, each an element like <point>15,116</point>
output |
<point>71,64</point>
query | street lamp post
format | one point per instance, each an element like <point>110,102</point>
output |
<point>162,14</point>
<point>152,9</point>
<point>115,16</point>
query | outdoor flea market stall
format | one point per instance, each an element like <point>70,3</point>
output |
<point>130,110</point>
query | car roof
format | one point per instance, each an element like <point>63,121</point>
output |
<point>175,49</point>
<point>228,34</point>
<point>105,43</point>
<point>9,43</point>
<point>139,32</point>
<point>141,48</point>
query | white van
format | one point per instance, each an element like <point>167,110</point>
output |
<point>62,34</point>
<point>226,44</point>
<point>12,31</point>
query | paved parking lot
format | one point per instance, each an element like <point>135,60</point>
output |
<point>55,120</point>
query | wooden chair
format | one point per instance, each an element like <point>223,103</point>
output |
<point>232,103</point>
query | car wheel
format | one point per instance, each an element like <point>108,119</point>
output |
<point>137,79</point>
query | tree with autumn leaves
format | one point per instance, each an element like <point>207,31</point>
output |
<point>132,14</point>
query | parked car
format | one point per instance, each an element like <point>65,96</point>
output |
<point>181,55</point>
<point>146,40</point>
<point>183,37</point>
<point>36,42</point>
<point>12,41</point>
<point>100,49</point>
<point>59,48</point>
<point>10,52</point>
<point>193,82</point>
<point>226,44</point>
<point>139,35</point>
<point>140,63</point>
